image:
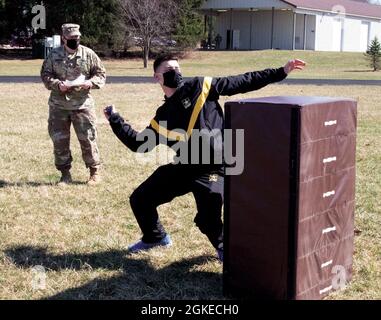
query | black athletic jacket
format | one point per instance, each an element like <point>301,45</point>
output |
<point>193,106</point>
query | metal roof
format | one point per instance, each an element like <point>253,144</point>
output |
<point>359,8</point>
<point>350,7</point>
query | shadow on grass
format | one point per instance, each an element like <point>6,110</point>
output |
<point>138,280</point>
<point>125,68</point>
<point>5,184</point>
<point>360,71</point>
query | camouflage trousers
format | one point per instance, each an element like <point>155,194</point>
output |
<point>84,123</point>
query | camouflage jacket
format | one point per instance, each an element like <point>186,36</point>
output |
<point>59,66</point>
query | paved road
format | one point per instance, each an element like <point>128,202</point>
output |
<point>133,79</point>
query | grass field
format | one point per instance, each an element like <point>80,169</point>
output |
<point>79,234</point>
<point>324,65</point>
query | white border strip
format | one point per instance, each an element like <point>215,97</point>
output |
<point>325,290</point>
<point>328,194</point>
<point>326,264</point>
<point>330,159</point>
<point>330,123</point>
<point>327,230</point>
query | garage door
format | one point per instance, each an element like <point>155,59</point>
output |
<point>337,34</point>
<point>364,36</point>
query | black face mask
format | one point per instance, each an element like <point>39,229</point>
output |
<point>172,79</point>
<point>72,43</point>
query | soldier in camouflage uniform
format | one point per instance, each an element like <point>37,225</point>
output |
<point>73,105</point>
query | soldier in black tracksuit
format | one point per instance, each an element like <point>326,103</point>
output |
<point>193,106</point>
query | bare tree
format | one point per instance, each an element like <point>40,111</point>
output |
<point>149,19</point>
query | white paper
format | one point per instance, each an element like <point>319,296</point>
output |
<point>77,82</point>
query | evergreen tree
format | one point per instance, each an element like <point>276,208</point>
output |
<point>15,18</point>
<point>373,54</point>
<point>99,20</point>
<point>189,29</point>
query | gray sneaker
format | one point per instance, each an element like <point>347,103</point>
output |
<point>142,246</point>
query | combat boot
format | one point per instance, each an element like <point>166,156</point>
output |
<point>95,178</point>
<point>65,178</point>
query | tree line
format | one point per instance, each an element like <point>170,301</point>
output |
<point>108,25</point>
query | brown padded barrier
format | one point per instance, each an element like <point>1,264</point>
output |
<point>325,227</point>
<point>317,195</point>
<point>289,216</point>
<point>326,156</point>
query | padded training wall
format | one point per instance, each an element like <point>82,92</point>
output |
<point>289,217</point>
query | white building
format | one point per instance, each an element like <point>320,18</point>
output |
<point>322,25</point>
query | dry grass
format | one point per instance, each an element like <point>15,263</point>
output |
<point>79,234</point>
<point>326,65</point>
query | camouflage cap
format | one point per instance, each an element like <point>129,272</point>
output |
<point>70,29</point>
